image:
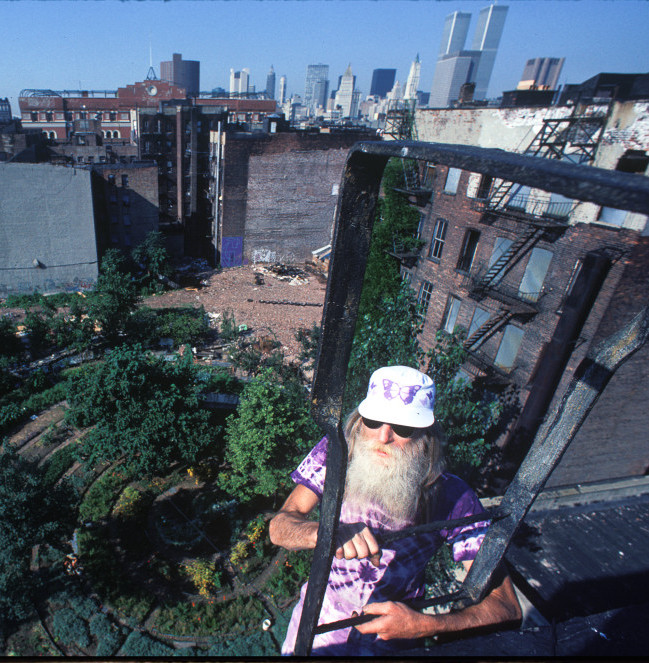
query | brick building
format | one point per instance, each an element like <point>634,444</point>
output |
<point>537,279</point>
<point>275,194</point>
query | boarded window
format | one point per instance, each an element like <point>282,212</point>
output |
<point>509,346</point>
<point>452,311</point>
<point>469,246</point>
<point>438,239</point>
<point>480,317</point>
<point>518,197</point>
<point>452,180</point>
<point>535,272</point>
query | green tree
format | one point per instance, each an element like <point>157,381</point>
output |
<point>10,345</point>
<point>143,408</point>
<point>152,255</point>
<point>467,416</point>
<point>270,433</point>
<point>385,337</point>
<point>32,512</point>
<point>114,297</point>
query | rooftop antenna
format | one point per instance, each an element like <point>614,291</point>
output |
<point>151,75</point>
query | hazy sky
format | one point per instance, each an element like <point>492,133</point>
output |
<point>102,45</point>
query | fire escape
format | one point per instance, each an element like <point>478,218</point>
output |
<point>573,138</point>
<point>400,125</point>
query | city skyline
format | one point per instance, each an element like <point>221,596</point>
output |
<point>593,35</point>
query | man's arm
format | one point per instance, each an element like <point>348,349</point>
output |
<point>291,529</point>
<point>396,620</point>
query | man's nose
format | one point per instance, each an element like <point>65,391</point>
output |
<point>386,434</point>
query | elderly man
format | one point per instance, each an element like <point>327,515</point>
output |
<point>395,480</point>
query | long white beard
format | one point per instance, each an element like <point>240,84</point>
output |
<point>392,484</point>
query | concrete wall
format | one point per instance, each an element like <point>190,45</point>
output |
<point>46,214</point>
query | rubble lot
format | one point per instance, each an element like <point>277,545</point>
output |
<point>263,297</point>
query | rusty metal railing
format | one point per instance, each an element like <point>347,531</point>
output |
<point>354,220</point>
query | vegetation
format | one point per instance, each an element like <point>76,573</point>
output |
<point>152,257</point>
<point>143,408</point>
<point>270,433</point>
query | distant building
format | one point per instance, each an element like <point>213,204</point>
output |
<point>456,66</point>
<point>282,90</point>
<point>183,73</point>
<point>270,83</point>
<point>5,111</point>
<point>382,82</point>
<point>541,74</point>
<point>316,86</point>
<point>413,80</point>
<point>347,97</point>
<point>608,86</point>
<point>239,82</point>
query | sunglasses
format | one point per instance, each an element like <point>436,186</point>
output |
<point>399,431</point>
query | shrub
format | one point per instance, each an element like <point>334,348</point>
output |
<point>139,644</point>
<point>99,499</point>
<point>59,463</point>
<point>284,585</point>
<point>69,628</point>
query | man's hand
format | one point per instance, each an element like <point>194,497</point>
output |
<point>395,620</point>
<point>356,541</point>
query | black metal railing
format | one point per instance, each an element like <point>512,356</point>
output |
<point>528,206</point>
<point>354,220</point>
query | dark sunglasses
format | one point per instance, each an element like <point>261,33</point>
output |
<point>399,431</point>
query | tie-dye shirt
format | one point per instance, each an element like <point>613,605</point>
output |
<point>400,575</point>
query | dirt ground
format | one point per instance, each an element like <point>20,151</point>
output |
<point>296,301</point>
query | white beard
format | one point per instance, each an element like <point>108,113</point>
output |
<point>392,484</point>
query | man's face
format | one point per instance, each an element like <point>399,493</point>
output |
<point>386,440</point>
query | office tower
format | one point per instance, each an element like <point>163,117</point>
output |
<point>491,21</point>
<point>270,83</point>
<point>413,80</point>
<point>239,82</point>
<point>541,74</point>
<point>183,73</point>
<point>382,82</point>
<point>347,97</point>
<point>458,66</point>
<point>456,28</point>
<point>317,86</point>
<point>282,89</point>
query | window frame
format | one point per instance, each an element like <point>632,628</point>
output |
<point>462,258</point>
<point>438,240</point>
<point>423,298</point>
<point>451,313</point>
<point>452,181</point>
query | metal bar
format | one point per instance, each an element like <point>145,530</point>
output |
<point>354,220</point>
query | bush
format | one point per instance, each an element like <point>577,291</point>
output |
<point>259,643</point>
<point>100,497</point>
<point>139,644</point>
<point>59,463</point>
<point>69,628</point>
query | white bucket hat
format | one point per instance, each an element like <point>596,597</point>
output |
<point>400,395</point>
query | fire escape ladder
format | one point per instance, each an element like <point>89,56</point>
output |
<point>510,257</point>
<point>411,175</point>
<point>488,329</point>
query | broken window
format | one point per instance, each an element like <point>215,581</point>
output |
<point>484,187</point>
<point>509,345</point>
<point>632,161</point>
<point>452,180</point>
<point>535,272</point>
<point>501,246</point>
<point>452,311</point>
<point>438,239</point>
<point>479,318</point>
<point>467,253</point>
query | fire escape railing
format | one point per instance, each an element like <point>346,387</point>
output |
<point>354,219</point>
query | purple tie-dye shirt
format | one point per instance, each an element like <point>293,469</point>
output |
<point>400,575</point>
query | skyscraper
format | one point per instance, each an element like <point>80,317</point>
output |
<point>282,89</point>
<point>317,86</point>
<point>455,66</point>
<point>184,73</point>
<point>239,82</point>
<point>541,73</point>
<point>486,39</point>
<point>270,83</point>
<point>347,97</point>
<point>413,80</point>
<point>382,82</point>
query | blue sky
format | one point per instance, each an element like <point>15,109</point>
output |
<point>92,44</point>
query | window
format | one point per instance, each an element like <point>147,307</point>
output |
<point>437,242</point>
<point>115,134</point>
<point>34,117</point>
<point>535,272</point>
<point>111,179</point>
<point>509,345</point>
<point>126,201</point>
<point>518,197</point>
<point>83,115</point>
<point>126,219</point>
<point>484,187</point>
<point>452,180</point>
<point>68,116</point>
<point>112,117</point>
<point>616,217</point>
<point>127,239</point>
<point>501,246</point>
<point>450,316</point>
<point>423,299</point>
<point>49,116</point>
<point>52,135</point>
<point>420,225</point>
<point>467,253</point>
<point>479,318</point>
<point>124,180</point>
<point>429,174</point>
